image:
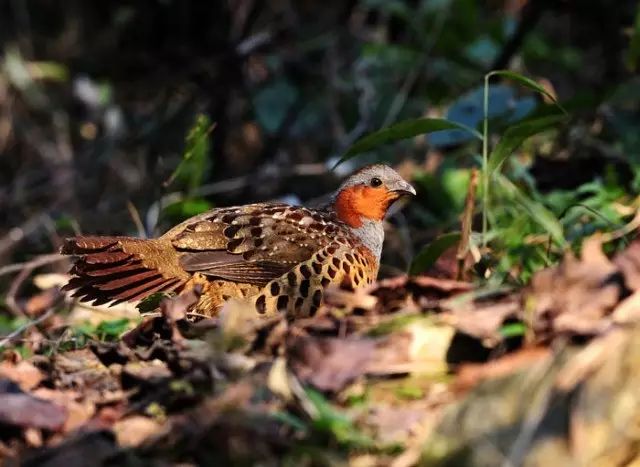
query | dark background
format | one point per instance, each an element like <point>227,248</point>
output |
<point>96,99</point>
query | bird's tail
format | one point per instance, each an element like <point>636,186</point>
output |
<point>118,269</point>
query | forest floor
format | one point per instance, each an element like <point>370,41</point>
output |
<point>415,370</point>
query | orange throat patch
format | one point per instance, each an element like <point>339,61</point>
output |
<point>356,204</point>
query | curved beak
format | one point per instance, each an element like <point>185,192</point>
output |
<point>402,188</point>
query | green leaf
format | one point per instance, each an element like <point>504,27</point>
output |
<point>430,253</point>
<point>513,330</point>
<point>538,212</point>
<point>151,303</point>
<point>403,130</point>
<point>528,83</point>
<point>192,168</point>
<point>515,135</point>
<point>112,328</point>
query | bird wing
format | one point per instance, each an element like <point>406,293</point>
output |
<point>251,244</point>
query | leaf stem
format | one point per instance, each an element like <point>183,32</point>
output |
<point>485,160</point>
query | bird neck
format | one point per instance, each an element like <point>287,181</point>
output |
<point>356,204</point>
<point>371,234</point>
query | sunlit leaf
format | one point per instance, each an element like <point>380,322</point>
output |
<point>428,256</point>
<point>515,135</point>
<point>192,168</point>
<point>528,83</point>
<point>403,130</point>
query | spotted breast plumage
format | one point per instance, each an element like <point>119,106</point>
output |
<point>279,257</point>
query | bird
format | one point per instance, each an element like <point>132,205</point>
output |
<point>279,258</point>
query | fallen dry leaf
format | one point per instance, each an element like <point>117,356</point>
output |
<point>330,363</point>
<point>23,410</point>
<point>578,295</point>
<point>79,411</point>
<point>470,374</point>
<point>135,430</point>
<point>23,373</point>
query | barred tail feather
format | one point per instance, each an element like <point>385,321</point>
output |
<point>112,269</point>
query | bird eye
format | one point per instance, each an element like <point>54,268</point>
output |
<point>375,181</point>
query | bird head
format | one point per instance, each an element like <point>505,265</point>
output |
<point>367,194</point>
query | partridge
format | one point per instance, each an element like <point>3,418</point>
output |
<point>278,257</point>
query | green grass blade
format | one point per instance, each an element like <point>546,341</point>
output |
<point>528,83</point>
<point>515,135</point>
<point>538,212</point>
<point>430,253</point>
<point>403,130</point>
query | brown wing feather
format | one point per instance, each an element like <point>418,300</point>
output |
<point>253,244</point>
<point>232,267</point>
<point>115,269</point>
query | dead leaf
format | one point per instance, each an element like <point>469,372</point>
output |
<point>21,409</point>
<point>135,430</point>
<point>394,424</point>
<point>23,373</point>
<point>330,364</point>
<point>39,303</point>
<point>578,295</point>
<point>79,410</point>
<point>481,320</point>
<point>470,374</point>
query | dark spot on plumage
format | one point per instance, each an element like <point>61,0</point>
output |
<point>261,304</point>
<point>231,231</point>
<point>346,283</point>
<point>349,257</point>
<point>254,221</point>
<point>356,281</point>
<point>299,303</point>
<point>316,227</point>
<point>336,262</point>
<point>317,267</point>
<point>283,301</point>
<point>275,289</point>
<point>360,274</point>
<point>248,254</point>
<point>331,229</point>
<point>258,242</point>
<point>291,278</point>
<point>304,288</point>
<point>317,297</point>
<point>305,271</point>
<point>256,231</point>
<point>342,240</point>
<point>325,282</point>
<point>295,216</point>
<point>235,243</point>
<point>228,218</point>
<point>332,272</point>
<point>317,217</point>
<point>332,249</point>
<point>321,255</point>
<point>345,267</point>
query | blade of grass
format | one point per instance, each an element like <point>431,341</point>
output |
<point>515,135</point>
<point>538,212</point>
<point>528,83</point>
<point>430,253</point>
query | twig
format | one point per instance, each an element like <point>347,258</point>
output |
<point>137,220</point>
<point>7,339</point>
<point>32,264</point>
<point>25,269</point>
